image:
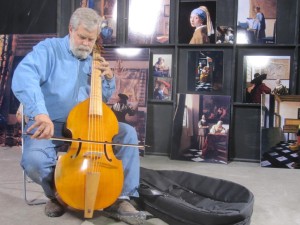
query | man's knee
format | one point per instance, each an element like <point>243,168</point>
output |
<point>38,164</point>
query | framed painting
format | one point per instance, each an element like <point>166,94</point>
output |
<point>280,131</point>
<point>162,89</point>
<point>205,71</point>
<point>154,28</point>
<point>197,22</point>
<point>265,75</point>
<point>129,102</point>
<point>256,22</point>
<point>162,65</point>
<point>201,128</point>
<point>10,127</point>
<point>107,10</point>
<point>225,35</point>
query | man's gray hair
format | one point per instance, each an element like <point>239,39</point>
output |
<point>87,17</point>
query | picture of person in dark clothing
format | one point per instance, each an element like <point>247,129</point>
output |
<point>122,108</point>
<point>253,93</point>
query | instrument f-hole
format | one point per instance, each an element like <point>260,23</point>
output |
<point>106,155</point>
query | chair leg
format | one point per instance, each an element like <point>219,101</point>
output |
<point>33,201</point>
<point>25,178</point>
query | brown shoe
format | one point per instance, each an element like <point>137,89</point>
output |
<point>123,208</point>
<point>54,209</point>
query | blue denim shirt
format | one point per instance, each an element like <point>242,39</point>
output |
<point>51,80</point>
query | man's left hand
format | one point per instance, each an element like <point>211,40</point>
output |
<point>104,67</point>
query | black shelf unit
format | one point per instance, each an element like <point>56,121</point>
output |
<point>244,142</point>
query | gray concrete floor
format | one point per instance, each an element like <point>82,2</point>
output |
<point>276,191</point>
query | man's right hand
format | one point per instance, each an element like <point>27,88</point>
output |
<point>44,127</point>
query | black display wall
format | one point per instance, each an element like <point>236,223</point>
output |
<point>245,118</point>
<point>244,142</point>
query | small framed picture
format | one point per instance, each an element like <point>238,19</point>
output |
<point>225,35</point>
<point>162,89</point>
<point>162,65</point>
<point>205,71</point>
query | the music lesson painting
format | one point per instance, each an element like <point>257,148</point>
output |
<point>129,102</point>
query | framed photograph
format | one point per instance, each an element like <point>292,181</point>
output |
<point>129,102</point>
<point>266,75</point>
<point>205,71</point>
<point>107,10</point>
<point>256,22</point>
<point>225,35</point>
<point>152,30</point>
<point>162,88</point>
<point>197,22</point>
<point>279,131</point>
<point>162,65</point>
<point>201,128</point>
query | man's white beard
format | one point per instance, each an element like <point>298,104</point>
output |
<point>81,52</point>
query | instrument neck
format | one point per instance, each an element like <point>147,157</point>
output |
<point>96,86</point>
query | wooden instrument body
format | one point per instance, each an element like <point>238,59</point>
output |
<point>89,176</point>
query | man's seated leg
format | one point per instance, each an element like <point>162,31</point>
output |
<point>131,166</point>
<point>38,161</point>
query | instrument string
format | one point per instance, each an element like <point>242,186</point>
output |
<point>97,115</point>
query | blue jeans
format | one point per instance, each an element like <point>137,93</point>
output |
<point>39,159</point>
